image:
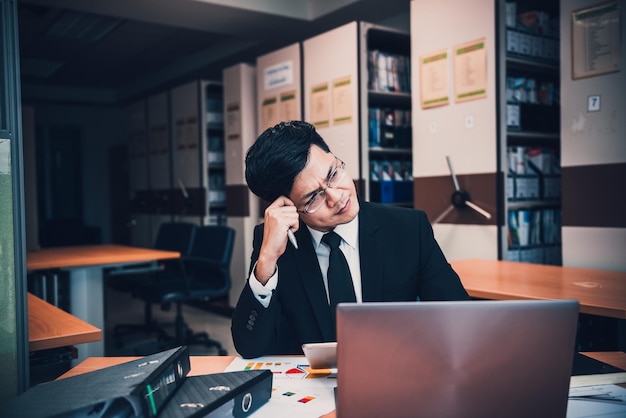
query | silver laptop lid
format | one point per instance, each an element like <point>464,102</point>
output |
<point>455,359</point>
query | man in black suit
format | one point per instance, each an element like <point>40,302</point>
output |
<point>391,252</point>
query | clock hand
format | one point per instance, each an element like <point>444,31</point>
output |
<point>456,183</point>
<point>478,209</point>
<point>460,197</point>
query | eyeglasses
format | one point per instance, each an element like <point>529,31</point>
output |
<point>334,179</point>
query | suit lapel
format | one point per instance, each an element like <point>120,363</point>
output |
<point>371,249</point>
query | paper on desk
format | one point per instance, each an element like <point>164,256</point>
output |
<point>597,379</point>
<point>297,389</point>
<point>606,401</point>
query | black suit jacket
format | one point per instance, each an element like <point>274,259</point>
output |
<point>400,261</point>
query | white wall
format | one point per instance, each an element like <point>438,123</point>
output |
<point>593,139</point>
<point>442,131</point>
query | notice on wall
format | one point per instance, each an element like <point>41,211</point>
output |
<point>434,86</point>
<point>470,71</point>
<point>269,113</point>
<point>596,40</point>
<point>278,75</point>
<point>342,100</point>
<point>233,121</point>
<point>289,108</point>
<point>320,105</point>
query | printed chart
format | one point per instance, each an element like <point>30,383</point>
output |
<point>297,390</point>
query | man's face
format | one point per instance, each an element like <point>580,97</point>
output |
<point>341,204</point>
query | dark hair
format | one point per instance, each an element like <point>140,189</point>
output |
<point>278,155</point>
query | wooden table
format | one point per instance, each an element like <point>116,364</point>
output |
<point>199,364</point>
<point>600,292</point>
<point>51,327</point>
<point>92,255</point>
<point>217,364</point>
<point>85,265</point>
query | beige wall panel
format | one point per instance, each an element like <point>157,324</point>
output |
<point>158,142</point>
<point>242,252</point>
<point>240,131</point>
<point>331,56</point>
<point>464,131</point>
<point>240,123</point>
<point>600,248</point>
<point>186,144</point>
<point>591,137</point>
<point>279,73</point>
<point>467,241</point>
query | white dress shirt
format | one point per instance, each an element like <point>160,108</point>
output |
<point>349,234</point>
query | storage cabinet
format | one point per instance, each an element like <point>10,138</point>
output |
<point>530,125</point>
<point>176,157</point>
<point>387,136</point>
<point>215,169</point>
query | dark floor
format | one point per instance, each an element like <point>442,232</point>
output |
<point>121,308</point>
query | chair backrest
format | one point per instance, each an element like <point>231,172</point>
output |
<point>214,242</point>
<point>176,236</point>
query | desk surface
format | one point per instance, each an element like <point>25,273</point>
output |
<point>199,364</point>
<point>600,292</point>
<point>92,255</point>
<point>50,327</point>
<point>216,364</point>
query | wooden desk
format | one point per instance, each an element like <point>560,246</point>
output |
<point>199,364</point>
<point>217,364</point>
<point>92,255</point>
<point>51,327</point>
<point>85,264</point>
<point>600,292</point>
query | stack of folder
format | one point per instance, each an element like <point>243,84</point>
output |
<point>155,385</point>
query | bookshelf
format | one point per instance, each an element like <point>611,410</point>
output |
<point>198,178</point>
<point>529,124</point>
<point>387,136</point>
<point>176,159</point>
<point>213,137</point>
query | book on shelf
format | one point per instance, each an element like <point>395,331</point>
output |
<point>388,72</point>
<point>390,128</point>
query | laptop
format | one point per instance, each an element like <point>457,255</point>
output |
<point>455,359</point>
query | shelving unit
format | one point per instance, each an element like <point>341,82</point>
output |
<point>386,138</point>
<point>529,124</point>
<point>176,157</point>
<point>214,139</point>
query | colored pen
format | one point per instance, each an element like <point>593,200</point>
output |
<point>292,238</point>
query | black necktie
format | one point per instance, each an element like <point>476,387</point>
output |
<point>340,287</point>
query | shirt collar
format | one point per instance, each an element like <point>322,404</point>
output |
<point>348,232</point>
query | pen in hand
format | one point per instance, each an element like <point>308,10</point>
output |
<point>292,238</point>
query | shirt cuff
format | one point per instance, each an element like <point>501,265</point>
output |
<point>263,293</point>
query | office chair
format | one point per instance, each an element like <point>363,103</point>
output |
<point>205,276</point>
<point>172,236</point>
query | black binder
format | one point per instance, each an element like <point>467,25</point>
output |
<point>232,394</point>
<point>136,388</point>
